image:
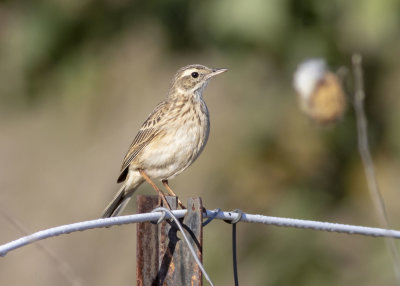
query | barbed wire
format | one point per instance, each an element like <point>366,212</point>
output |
<point>217,214</point>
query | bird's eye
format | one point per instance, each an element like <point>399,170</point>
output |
<point>195,74</point>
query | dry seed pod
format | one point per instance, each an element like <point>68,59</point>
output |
<point>320,92</point>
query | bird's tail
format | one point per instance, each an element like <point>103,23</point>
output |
<point>119,202</point>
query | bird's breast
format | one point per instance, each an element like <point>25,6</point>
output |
<point>179,144</point>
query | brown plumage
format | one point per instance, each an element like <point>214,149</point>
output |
<point>171,138</point>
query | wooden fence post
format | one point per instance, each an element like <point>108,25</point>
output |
<point>163,258</point>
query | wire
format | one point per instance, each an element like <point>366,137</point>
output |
<point>211,217</point>
<point>66,270</point>
<point>308,224</point>
<point>249,218</point>
<point>193,252</point>
<point>80,226</point>
<point>234,255</point>
<point>234,251</point>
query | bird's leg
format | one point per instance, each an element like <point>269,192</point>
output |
<point>160,193</point>
<point>171,192</point>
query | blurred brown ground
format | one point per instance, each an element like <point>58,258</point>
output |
<point>77,79</point>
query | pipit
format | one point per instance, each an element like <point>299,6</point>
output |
<point>171,138</point>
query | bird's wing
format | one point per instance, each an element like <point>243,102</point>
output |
<point>149,130</point>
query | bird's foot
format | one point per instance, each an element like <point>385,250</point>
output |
<point>171,192</point>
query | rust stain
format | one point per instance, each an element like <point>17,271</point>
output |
<point>194,280</point>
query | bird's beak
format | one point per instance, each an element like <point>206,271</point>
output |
<point>215,72</point>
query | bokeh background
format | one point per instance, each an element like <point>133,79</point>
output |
<point>77,79</point>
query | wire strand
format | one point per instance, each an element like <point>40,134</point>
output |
<point>234,248</point>
<point>234,256</point>
<point>248,218</point>
<point>63,266</point>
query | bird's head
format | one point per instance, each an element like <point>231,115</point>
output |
<point>193,79</point>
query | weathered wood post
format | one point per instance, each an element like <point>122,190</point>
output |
<point>162,257</point>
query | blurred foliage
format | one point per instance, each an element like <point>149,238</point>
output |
<point>78,77</point>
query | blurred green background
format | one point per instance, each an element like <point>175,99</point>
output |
<point>77,79</point>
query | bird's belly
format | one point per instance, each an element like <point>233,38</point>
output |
<point>173,152</point>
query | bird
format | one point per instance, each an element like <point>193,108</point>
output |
<point>170,139</point>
